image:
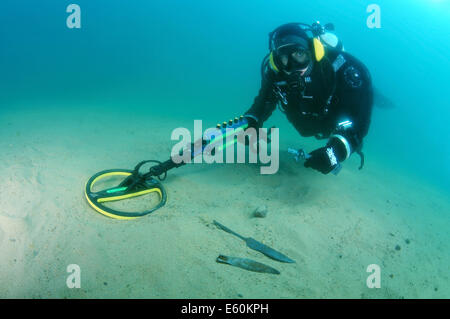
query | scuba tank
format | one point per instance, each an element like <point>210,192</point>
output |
<point>331,40</point>
<point>327,36</point>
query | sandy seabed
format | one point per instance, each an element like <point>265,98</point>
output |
<point>334,227</point>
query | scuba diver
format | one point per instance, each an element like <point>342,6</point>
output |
<point>323,91</point>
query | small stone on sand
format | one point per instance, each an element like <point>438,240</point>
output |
<point>260,211</point>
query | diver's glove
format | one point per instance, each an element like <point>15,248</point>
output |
<point>253,125</point>
<point>326,159</point>
<point>252,121</point>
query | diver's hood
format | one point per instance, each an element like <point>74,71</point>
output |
<point>290,39</point>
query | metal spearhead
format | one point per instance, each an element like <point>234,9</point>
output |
<point>247,264</point>
<point>258,246</point>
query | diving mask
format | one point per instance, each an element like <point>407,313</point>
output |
<point>293,57</point>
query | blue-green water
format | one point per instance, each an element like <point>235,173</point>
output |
<point>189,60</point>
<point>203,57</point>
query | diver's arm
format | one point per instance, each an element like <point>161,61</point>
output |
<point>353,124</point>
<point>354,121</point>
<point>264,103</point>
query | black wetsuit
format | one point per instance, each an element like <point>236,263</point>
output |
<point>338,89</point>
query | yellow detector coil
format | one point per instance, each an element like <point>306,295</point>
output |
<point>128,188</point>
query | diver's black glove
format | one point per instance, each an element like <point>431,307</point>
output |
<point>325,159</point>
<point>252,138</point>
<point>252,122</point>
